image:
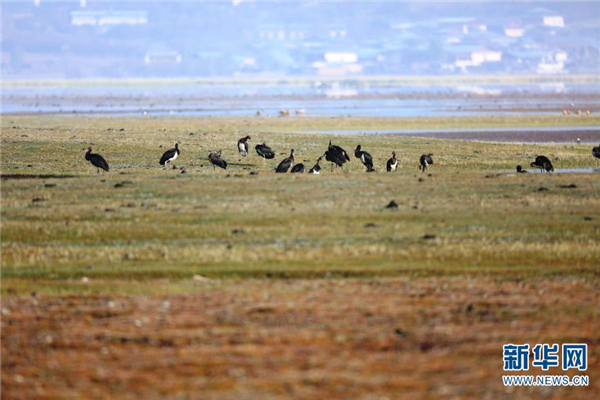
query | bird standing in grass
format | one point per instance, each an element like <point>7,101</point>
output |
<point>286,163</point>
<point>97,160</point>
<point>264,151</point>
<point>425,160</point>
<point>298,169</point>
<point>316,169</point>
<point>216,160</point>
<point>243,146</point>
<point>365,157</point>
<point>543,163</point>
<point>596,153</point>
<point>336,155</point>
<point>392,163</point>
<point>170,155</point>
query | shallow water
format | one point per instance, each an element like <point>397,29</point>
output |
<point>573,135</point>
<point>317,98</point>
<point>458,130</point>
<point>558,171</point>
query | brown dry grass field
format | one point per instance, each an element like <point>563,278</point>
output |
<point>148,283</point>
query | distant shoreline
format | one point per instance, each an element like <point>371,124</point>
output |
<point>440,80</point>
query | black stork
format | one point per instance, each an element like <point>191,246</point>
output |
<point>298,169</point>
<point>216,160</point>
<point>520,170</point>
<point>264,151</point>
<point>596,153</point>
<point>97,160</point>
<point>365,157</point>
<point>425,160</point>
<point>543,163</point>
<point>285,164</point>
<point>316,169</point>
<point>243,146</point>
<point>392,163</point>
<point>336,155</point>
<point>170,155</point>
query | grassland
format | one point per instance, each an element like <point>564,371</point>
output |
<point>228,284</point>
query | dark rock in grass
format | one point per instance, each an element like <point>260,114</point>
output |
<point>542,189</point>
<point>400,332</point>
<point>238,231</point>
<point>587,218</point>
<point>109,210</point>
<point>253,173</point>
<point>38,199</point>
<point>430,175</point>
<point>421,179</point>
<point>426,345</point>
<point>468,308</point>
<point>370,225</point>
<point>429,236</point>
<point>121,184</point>
<point>571,186</point>
<point>29,166</point>
<point>50,185</point>
<point>392,204</point>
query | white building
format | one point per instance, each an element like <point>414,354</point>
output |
<point>554,21</point>
<point>341,57</point>
<point>514,30</point>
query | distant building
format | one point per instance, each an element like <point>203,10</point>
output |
<point>480,56</point>
<point>338,64</point>
<point>282,33</point>
<point>553,63</point>
<point>514,30</point>
<point>101,18</point>
<point>554,21</point>
<point>469,57</point>
<point>341,57</point>
<point>162,57</point>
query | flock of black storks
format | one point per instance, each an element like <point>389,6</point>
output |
<point>334,154</point>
